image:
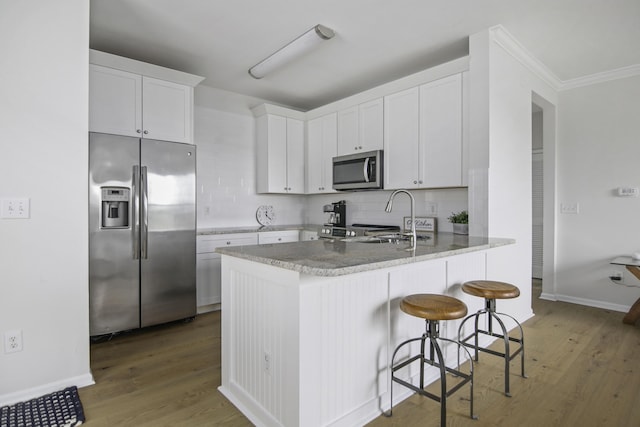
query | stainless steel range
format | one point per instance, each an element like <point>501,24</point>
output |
<point>328,231</point>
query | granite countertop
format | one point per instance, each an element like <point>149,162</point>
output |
<point>256,229</point>
<point>327,257</point>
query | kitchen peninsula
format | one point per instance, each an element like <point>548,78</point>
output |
<point>308,327</point>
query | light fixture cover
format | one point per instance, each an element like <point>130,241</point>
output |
<point>297,47</point>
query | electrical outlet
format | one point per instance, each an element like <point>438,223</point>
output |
<point>570,208</point>
<point>267,362</point>
<point>616,276</point>
<point>13,341</point>
<point>431,208</point>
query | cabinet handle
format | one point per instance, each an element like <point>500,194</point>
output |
<point>360,147</point>
<point>146,132</point>
<point>415,182</point>
<point>279,239</point>
<point>138,131</point>
<point>420,182</point>
<point>228,243</point>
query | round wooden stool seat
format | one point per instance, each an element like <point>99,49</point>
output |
<point>433,307</point>
<point>490,289</point>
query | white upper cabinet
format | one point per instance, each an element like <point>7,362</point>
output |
<point>133,98</point>
<point>280,154</point>
<point>166,110</point>
<point>115,101</point>
<point>125,103</point>
<point>322,143</point>
<point>441,124</point>
<point>401,139</point>
<point>423,136</point>
<point>360,128</point>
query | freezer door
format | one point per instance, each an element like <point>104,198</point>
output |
<point>114,299</point>
<point>168,231</point>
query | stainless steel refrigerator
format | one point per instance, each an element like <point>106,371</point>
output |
<point>142,232</point>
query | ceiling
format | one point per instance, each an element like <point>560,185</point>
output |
<point>376,40</point>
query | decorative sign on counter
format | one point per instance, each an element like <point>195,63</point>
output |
<point>423,223</point>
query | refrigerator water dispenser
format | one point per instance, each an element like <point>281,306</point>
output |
<point>115,207</point>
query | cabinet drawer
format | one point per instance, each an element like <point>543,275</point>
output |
<point>278,236</point>
<point>206,244</point>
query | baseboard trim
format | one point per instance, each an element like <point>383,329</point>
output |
<point>31,393</point>
<point>587,302</point>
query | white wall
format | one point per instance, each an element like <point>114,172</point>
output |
<point>500,130</point>
<point>225,136</point>
<point>43,259</point>
<point>368,206</point>
<point>598,151</point>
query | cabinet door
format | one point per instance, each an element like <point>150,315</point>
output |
<point>370,122</point>
<point>401,137</point>
<point>166,113</point>
<point>348,130</point>
<point>307,235</point>
<point>271,133</point>
<point>208,286</point>
<point>115,101</point>
<point>208,280</point>
<point>315,178</point>
<point>321,148</point>
<point>295,156</point>
<point>441,132</point>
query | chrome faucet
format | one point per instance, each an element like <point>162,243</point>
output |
<point>413,215</point>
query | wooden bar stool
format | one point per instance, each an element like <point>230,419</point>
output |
<point>433,308</point>
<point>490,291</point>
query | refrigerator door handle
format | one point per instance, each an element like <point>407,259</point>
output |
<point>135,230</point>
<point>144,213</point>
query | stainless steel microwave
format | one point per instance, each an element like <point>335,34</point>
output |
<point>360,171</point>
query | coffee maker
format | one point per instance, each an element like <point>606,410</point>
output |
<point>337,214</point>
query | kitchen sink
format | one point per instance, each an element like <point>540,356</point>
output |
<point>385,238</point>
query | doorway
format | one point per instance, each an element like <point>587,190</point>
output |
<point>545,163</point>
<point>537,191</point>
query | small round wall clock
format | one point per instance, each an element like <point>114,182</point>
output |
<point>265,215</point>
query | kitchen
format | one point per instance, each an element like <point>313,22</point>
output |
<point>60,279</point>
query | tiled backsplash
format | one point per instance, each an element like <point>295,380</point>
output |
<point>227,196</point>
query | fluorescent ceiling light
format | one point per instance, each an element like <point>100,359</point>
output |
<point>297,47</point>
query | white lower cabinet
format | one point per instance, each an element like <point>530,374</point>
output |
<point>208,282</point>
<point>267,237</point>
<point>307,235</point>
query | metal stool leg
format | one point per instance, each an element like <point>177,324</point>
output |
<point>520,341</point>
<point>435,359</point>
<point>490,311</point>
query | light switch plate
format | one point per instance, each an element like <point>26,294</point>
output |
<point>14,208</point>
<point>570,208</point>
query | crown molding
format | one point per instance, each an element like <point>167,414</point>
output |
<point>619,73</point>
<point>512,46</point>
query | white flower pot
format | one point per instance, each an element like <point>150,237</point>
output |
<point>460,228</point>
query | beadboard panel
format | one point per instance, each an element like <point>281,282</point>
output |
<point>261,359</point>
<point>344,324</point>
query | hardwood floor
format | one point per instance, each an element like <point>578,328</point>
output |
<point>583,366</point>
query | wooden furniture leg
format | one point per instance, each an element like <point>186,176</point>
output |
<point>634,312</point>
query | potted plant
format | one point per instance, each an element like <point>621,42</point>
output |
<point>460,221</point>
